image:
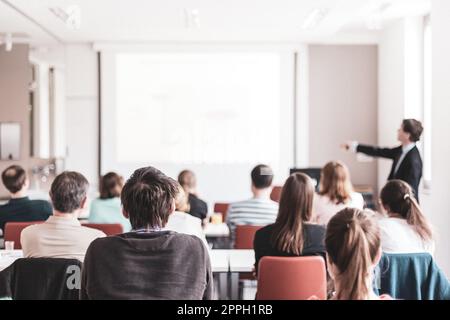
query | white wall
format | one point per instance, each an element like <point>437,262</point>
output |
<point>400,96</point>
<point>437,202</point>
<point>343,105</point>
<point>390,90</point>
<point>82,111</point>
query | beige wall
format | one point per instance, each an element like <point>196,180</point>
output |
<point>343,105</point>
<point>14,81</point>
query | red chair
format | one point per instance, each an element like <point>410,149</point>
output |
<point>14,229</point>
<point>291,278</point>
<point>222,208</point>
<point>244,236</point>
<point>276,193</point>
<point>109,229</point>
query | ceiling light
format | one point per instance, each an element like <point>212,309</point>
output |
<point>71,16</point>
<point>314,18</point>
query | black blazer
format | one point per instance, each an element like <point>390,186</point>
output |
<point>410,169</point>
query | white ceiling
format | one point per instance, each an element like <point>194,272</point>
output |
<point>220,20</point>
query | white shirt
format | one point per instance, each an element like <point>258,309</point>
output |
<point>405,150</point>
<point>58,237</point>
<point>182,222</point>
<point>324,209</point>
<point>397,236</point>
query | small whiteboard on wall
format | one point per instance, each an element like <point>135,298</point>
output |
<point>9,141</point>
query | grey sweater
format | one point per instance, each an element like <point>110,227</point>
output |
<point>157,265</point>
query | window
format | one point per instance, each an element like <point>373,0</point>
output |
<point>427,104</point>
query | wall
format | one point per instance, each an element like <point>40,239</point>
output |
<point>391,84</point>
<point>82,111</point>
<point>343,105</point>
<point>14,81</point>
<point>437,204</point>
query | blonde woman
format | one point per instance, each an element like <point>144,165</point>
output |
<point>335,193</point>
<point>181,221</point>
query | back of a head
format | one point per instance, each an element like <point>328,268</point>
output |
<point>295,208</point>
<point>262,176</point>
<point>397,197</point>
<point>148,198</point>
<point>68,191</point>
<point>352,242</point>
<point>335,182</point>
<point>414,128</point>
<point>111,185</point>
<point>187,180</point>
<point>14,178</point>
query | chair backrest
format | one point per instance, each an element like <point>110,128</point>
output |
<point>276,193</point>
<point>222,208</point>
<point>291,278</point>
<point>41,279</point>
<point>109,229</point>
<point>14,229</point>
<point>413,276</point>
<point>244,235</point>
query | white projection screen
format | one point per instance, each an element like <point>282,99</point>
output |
<point>217,113</point>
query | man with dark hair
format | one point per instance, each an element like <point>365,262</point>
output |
<point>407,165</point>
<point>198,207</point>
<point>62,235</point>
<point>149,262</point>
<point>20,208</point>
<point>260,209</point>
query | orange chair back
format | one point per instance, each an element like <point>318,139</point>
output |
<point>109,229</point>
<point>222,208</point>
<point>244,236</point>
<point>292,278</point>
<point>14,229</point>
<point>276,193</point>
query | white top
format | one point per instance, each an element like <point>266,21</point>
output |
<point>182,222</point>
<point>324,209</point>
<point>58,237</point>
<point>405,150</point>
<point>397,236</point>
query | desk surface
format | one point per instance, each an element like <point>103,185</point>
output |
<point>221,260</point>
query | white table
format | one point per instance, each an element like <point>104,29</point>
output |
<point>8,257</point>
<point>229,263</point>
<point>216,230</point>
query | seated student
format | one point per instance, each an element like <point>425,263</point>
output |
<point>198,207</point>
<point>107,208</point>
<point>405,230</point>
<point>62,235</point>
<point>20,208</point>
<point>353,251</point>
<point>259,210</point>
<point>293,233</point>
<point>182,222</point>
<point>336,193</point>
<point>148,262</point>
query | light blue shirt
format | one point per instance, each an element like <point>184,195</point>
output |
<point>108,211</point>
<point>405,150</point>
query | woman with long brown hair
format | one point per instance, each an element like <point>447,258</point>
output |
<point>405,229</point>
<point>353,251</point>
<point>335,193</point>
<point>107,208</point>
<point>293,233</point>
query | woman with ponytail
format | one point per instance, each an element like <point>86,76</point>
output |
<point>353,250</point>
<point>405,229</point>
<point>293,233</point>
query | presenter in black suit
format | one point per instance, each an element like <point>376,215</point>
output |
<point>407,165</point>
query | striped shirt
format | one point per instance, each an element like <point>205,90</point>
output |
<point>255,211</point>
